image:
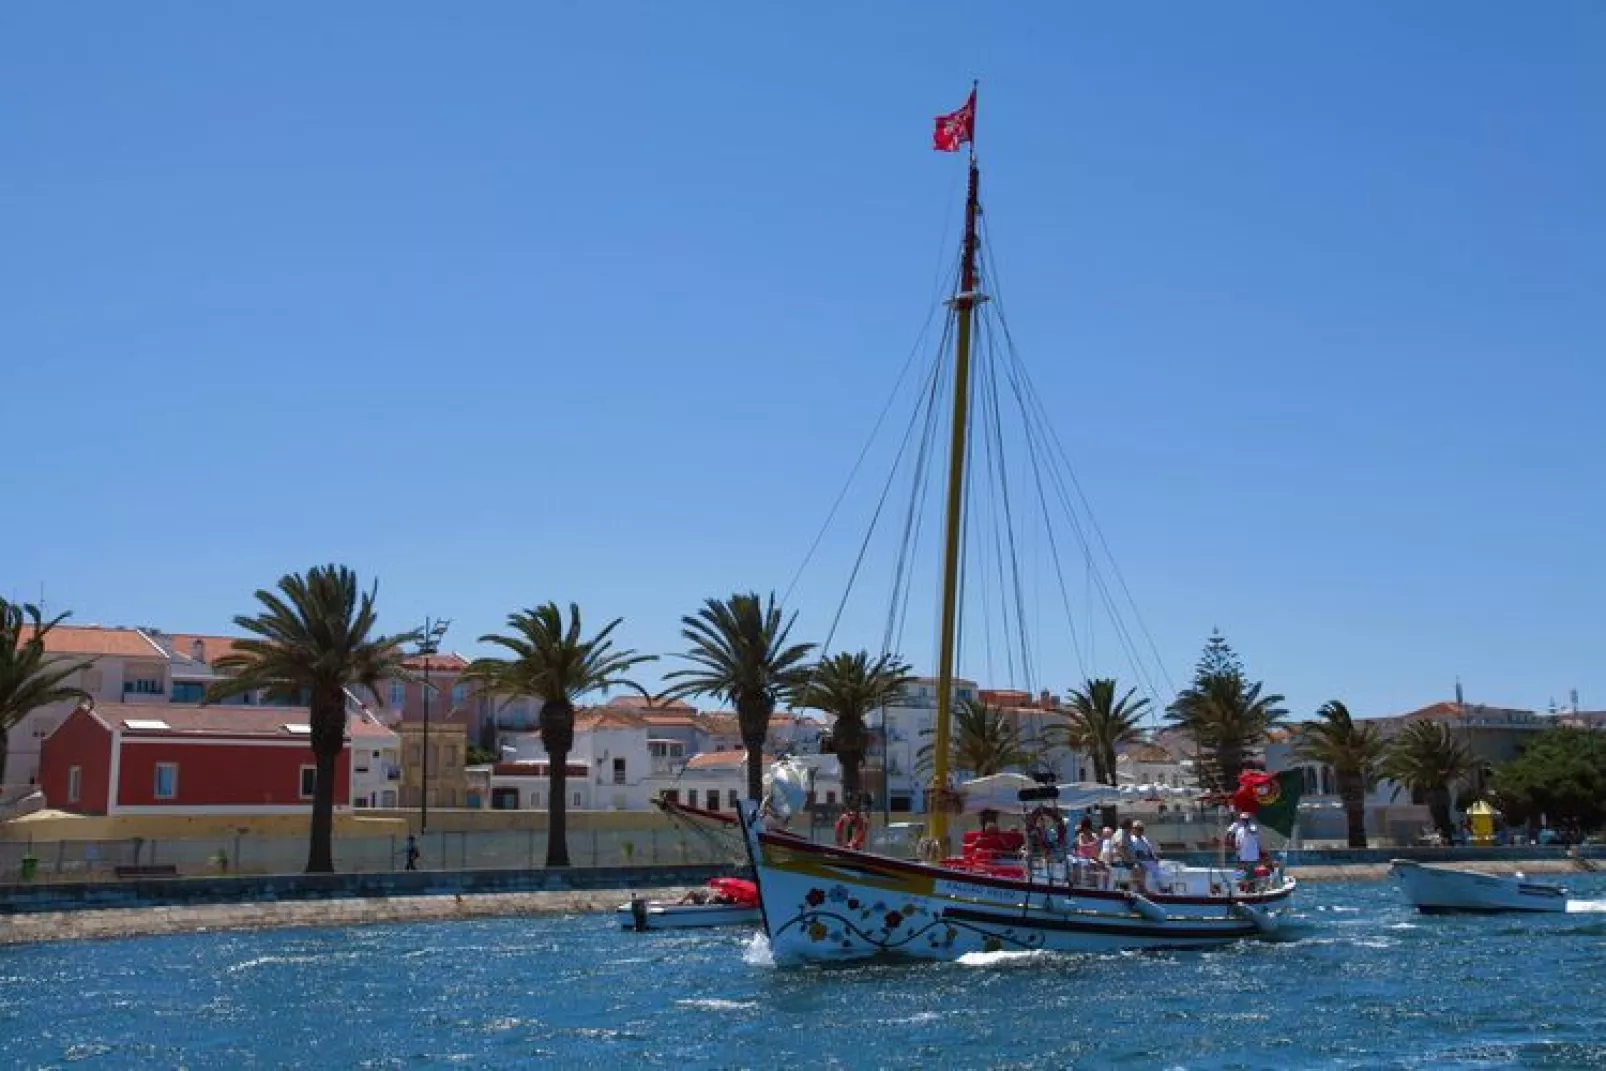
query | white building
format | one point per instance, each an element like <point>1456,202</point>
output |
<point>611,767</point>
<point>717,780</point>
<point>902,729</point>
<point>375,761</point>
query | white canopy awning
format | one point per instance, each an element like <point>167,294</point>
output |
<point>1001,792</point>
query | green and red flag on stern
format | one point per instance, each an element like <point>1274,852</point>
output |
<point>956,128</point>
<point>1272,798</point>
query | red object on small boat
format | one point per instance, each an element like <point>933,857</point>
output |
<point>735,890</point>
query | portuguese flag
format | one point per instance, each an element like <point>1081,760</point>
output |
<point>1272,798</point>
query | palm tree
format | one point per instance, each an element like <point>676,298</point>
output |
<point>314,638</point>
<point>982,741</point>
<point>739,652</point>
<point>1228,719</point>
<point>1353,751</point>
<point>555,663</point>
<point>1427,758</point>
<point>29,677</point>
<point>848,687</point>
<point>1098,723</point>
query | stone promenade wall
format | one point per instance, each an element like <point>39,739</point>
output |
<point>170,892</point>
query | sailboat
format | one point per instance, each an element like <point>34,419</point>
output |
<point>839,902</point>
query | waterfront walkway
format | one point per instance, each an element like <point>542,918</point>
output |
<point>144,920</point>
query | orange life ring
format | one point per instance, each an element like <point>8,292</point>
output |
<point>1041,822</point>
<point>851,829</point>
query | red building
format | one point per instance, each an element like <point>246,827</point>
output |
<point>117,758</point>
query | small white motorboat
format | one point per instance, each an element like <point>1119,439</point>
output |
<point>1441,890</point>
<point>725,902</point>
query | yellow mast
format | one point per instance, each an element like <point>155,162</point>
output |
<point>964,304</point>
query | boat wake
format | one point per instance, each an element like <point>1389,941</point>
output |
<point>1586,907</point>
<point>757,952</point>
<point>717,1004</point>
<point>1003,959</point>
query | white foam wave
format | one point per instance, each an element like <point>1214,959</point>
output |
<point>999,959</point>
<point>918,1017</point>
<point>717,1004</point>
<point>1586,907</point>
<point>757,953</point>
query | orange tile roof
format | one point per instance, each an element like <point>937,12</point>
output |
<point>98,640</point>
<point>603,718</point>
<point>666,720</point>
<point>214,647</point>
<point>636,702</point>
<point>361,728</point>
<point>445,662</point>
<point>190,719</point>
<point>720,724</point>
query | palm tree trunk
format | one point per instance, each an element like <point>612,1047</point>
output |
<point>1354,796</point>
<point>1439,809</point>
<point>851,762</point>
<point>755,770</point>
<point>557,827</point>
<point>320,846</point>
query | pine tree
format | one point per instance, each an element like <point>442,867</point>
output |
<point>1218,660</point>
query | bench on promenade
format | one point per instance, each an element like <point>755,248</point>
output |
<point>155,870</point>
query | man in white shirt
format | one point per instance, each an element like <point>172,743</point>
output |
<point>1246,840</point>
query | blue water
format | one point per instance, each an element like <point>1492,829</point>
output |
<point>1363,982</point>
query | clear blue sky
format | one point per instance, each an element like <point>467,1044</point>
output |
<point>513,302</point>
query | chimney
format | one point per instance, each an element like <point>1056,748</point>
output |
<point>198,649</point>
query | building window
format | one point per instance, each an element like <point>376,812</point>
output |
<point>415,753</point>
<point>188,692</point>
<point>459,694</point>
<point>577,799</point>
<point>360,801</point>
<point>618,771</point>
<point>166,780</point>
<point>672,795</point>
<point>713,799</point>
<point>450,758</point>
<point>735,798</point>
<point>691,797</point>
<point>398,693</point>
<point>75,783</point>
<point>830,799</point>
<point>143,686</point>
<point>535,799</point>
<point>309,781</point>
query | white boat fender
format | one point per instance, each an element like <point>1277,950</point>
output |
<point>1264,921</point>
<point>1147,908</point>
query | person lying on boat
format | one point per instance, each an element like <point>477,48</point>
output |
<point>1144,856</point>
<point>705,896</point>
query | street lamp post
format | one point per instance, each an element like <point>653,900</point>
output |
<point>428,644</point>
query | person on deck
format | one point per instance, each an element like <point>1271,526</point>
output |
<point>1145,857</point>
<point>1246,842</point>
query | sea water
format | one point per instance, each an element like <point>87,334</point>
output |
<point>1359,981</point>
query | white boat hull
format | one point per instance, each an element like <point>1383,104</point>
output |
<point>832,904</point>
<point>1437,889</point>
<point>662,916</point>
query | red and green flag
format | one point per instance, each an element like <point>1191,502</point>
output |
<point>1272,798</point>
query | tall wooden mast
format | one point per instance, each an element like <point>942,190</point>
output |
<point>964,304</point>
